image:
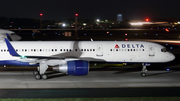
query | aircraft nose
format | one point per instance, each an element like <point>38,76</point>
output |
<point>172,57</point>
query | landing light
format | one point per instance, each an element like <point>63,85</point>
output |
<point>168,69</point>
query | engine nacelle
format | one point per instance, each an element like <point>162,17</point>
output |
<point>75,67</point>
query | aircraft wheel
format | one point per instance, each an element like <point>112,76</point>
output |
<point>143,74</point>
<point>37,77</point>
<point>44,76</point>
<point>35,72</point>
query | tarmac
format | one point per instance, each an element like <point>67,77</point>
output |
<point>95,79</point>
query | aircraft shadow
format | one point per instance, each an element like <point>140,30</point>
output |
<point>53,74</point>
<point>167,72</point>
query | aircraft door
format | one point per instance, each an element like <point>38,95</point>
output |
<point>151,50</point>
<point>99,50</point>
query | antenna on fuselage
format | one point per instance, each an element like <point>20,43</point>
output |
<point>91,39</point>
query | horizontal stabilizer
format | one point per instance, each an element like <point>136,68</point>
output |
<point>9,38</point>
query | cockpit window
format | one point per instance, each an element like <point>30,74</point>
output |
<point>163,50</point>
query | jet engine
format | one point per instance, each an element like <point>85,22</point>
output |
<point>75,67</point>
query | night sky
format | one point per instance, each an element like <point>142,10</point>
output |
<point>91,9</point>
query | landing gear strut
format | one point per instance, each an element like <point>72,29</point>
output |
<point>144,70</point>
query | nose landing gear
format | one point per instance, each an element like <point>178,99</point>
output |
<point>144,70</point>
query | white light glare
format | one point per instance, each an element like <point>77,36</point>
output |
<point>63,24</point>
<point>137,23</point>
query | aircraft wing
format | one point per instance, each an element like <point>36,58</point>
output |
<point>14,53</point>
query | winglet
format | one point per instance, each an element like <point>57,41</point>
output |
<point>10,48</point>
<point>9,38</point>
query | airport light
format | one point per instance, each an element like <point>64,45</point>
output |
<point>136,23</point>
<point>167,30</point>
<point>40,20</point>
<point>147,19</point>
<point>41,14</point>
<point>76,15</point>
<point>63,24</point>
<point>97,20</point>
<point>76,23</point>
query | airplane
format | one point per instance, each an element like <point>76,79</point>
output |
<point>11,34</point>
<point>73,57</point>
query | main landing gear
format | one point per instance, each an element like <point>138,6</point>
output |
<point>40,72</point>
<point>144,70</point>
<point>39,76</point>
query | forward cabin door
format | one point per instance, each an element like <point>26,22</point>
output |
<point>151,51</point>
<point>99,50</point>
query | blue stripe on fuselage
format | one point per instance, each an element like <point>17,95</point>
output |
<point>14,62</point>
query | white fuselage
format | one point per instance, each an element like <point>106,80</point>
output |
<point>102,51</point>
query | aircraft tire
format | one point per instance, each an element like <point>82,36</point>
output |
<point>37,77</point>
<point>44,76</point>
<point>35,72</point>
<point>143,74</point>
